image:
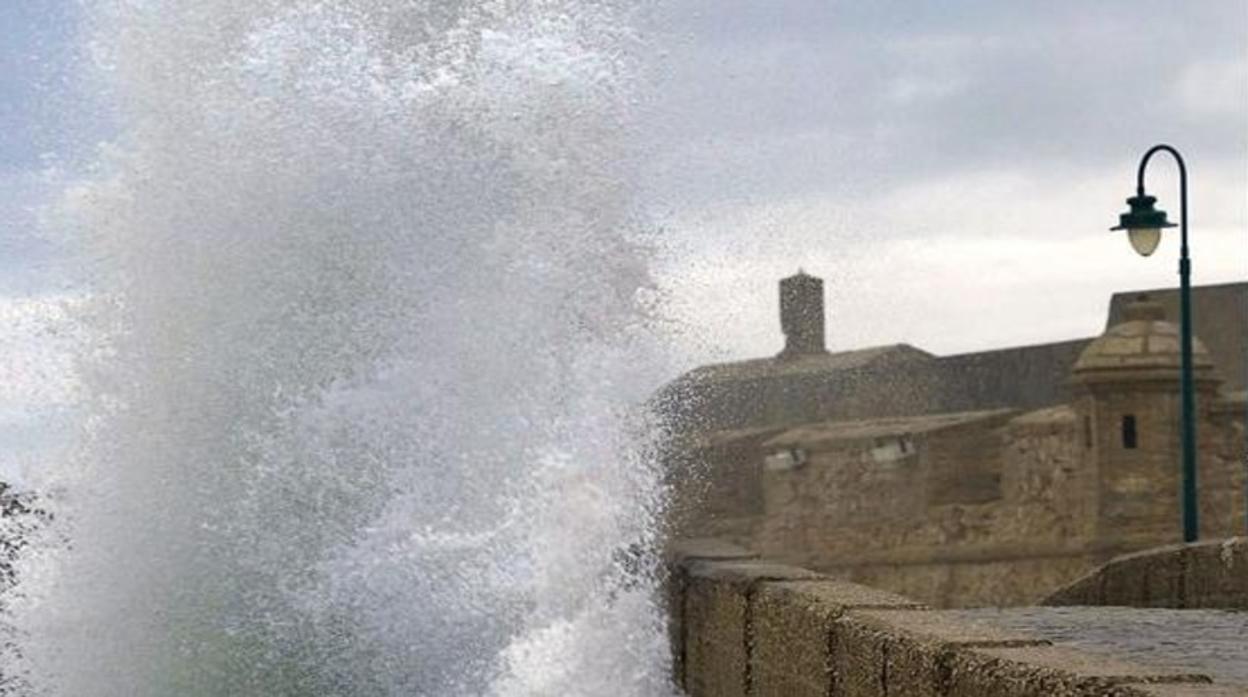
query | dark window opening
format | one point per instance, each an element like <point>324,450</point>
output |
<point>1087,432</point>
<point>1129,436</point>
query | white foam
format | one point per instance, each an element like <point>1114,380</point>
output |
<point>369,313</point>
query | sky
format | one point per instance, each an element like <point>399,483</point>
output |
<point>949,168</point>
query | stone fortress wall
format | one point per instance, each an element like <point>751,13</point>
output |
<point>741,627</point>
<point>1034,478</point>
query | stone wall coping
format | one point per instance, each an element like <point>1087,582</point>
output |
<point>750,628</point>
<point>1084,665</point>
<point>1204,574</point>
<point>936,627</point>
<point>840,596</point>
<point>1187,690</point>
<point>747,572</point>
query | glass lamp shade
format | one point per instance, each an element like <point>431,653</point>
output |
<point>1143,223</point>
<point>1144,240</point>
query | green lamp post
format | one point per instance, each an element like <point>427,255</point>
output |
<point>1144,224</point>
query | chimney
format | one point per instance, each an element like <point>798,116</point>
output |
<point>801,315</point>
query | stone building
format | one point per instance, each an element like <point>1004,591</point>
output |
<point>986,478</point>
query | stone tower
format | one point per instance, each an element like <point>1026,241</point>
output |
<point>801,315</point>
<point>1127,402</point>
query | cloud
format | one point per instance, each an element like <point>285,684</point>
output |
<point>891,91</point>
<point>951,168</point>
<point>885,144</point>
<point>1215,88</point>
<point>969,262</point>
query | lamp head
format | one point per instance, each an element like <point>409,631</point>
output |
<point>1143,223</point>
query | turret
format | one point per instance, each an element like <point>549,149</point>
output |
<point>1127,400</point>
<point>801,315</point>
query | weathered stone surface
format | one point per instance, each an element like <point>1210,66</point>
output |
<point>906,652</point>
<point>1216,575</point>
<point>715,638</point>
<point>1204,575</point>
<point>791,642</point>
<point>1184,691</point>
<point>965,502</point>
<point>1085,590</point>
<point>717,622</point>
<point>792,632</point>
<point>1146,580</point>
<point>682,554</point>
<point>1050,671</point>
<point>938,627</point>
<point>844,595</point>
<point>755,629</point>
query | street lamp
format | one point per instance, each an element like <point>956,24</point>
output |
<point>1144,224</point>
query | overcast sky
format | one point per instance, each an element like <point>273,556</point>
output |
<point>950,168</point>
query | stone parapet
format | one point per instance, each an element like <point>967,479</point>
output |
<point>1204,575</point>
<point>749,628</point>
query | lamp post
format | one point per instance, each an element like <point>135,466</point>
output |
<point>1144,224</point>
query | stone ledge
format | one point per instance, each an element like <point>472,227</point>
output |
<point>792,630</point>
<point>1184,691</point>
<point>1052,670</point>
<point>683,556</point>
<point>908,652</point>
<point>837,595</point>
<point>716,622</point>
<point>1205,575</point>
<point>747,573</point>
<point>938,628</point>
<point>754,629</point>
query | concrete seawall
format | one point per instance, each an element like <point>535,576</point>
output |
<point>1211,575</point>
<point>743,627</point>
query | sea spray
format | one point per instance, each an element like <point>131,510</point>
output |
<point>369,309</point>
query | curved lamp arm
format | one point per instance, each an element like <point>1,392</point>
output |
<point>1139,186</point>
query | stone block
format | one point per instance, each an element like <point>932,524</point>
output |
<point>791,654</point>
<point>1184,690</point>
<point>847,595</point>
<point>792,633</point>
<point>1147,579</point>
<point>715,657</point>
<point>1085,590</point>
<point>1051,671</point>
<point>682,554</point>
<point>1151,578</point>
<point>947,630</point>
<point>860,654</point>
<point>907,652</point>
<point>1217,575</point>
<point>717,623</point>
